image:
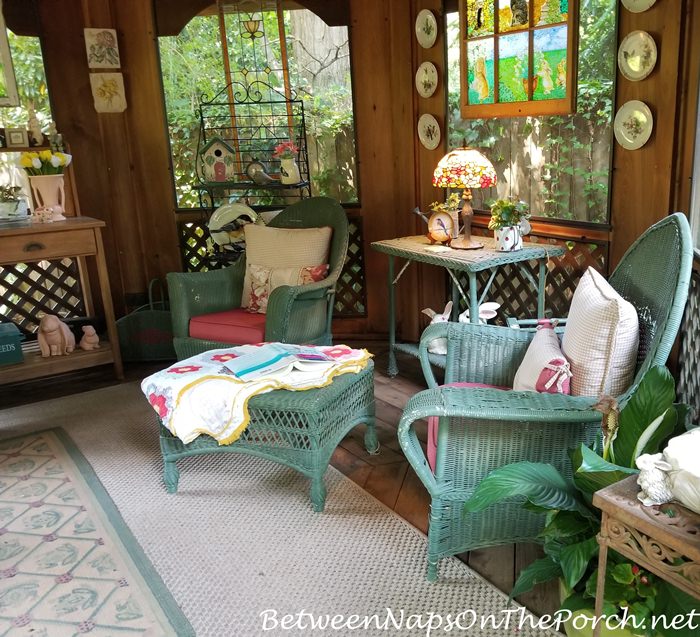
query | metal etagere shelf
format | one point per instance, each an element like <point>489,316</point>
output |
<point>253,119</point>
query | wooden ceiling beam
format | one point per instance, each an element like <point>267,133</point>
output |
<point>21,17</point>
<point>173,15</point>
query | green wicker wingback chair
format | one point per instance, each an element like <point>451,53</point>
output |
<point>482,429</point>
<point>295,314</point>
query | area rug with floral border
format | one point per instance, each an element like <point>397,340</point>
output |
<point>68,562</point>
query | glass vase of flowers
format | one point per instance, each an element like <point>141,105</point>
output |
<point>45,170</point>
<point>509,222</point>
<point>287,153</point>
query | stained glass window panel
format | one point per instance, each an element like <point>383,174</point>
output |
<point>549,63</point>
<point>513,15</point>
<point>513,66</point>
<point>550,11</point>
<point>480,18</point>
<point>480,74</point>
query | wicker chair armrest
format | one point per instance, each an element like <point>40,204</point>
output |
<point>195,293</point>
<point>476,353</point>
<point>281,304</point>
<point>484,404</point>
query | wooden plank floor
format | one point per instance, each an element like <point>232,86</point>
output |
<point>387,476</point>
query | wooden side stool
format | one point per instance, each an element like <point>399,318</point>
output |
<point>654,537</point>
<point>299,429</point>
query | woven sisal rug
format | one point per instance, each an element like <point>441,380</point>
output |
<point>242,552</point>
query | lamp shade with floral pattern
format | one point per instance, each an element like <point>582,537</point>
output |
<point>464,168</point>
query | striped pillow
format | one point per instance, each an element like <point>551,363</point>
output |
<point>601,338</point>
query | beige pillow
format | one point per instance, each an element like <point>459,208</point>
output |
<point>601,338</point>
<point>283,248</point>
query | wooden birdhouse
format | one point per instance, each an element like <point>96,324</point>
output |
<point>217,159</point>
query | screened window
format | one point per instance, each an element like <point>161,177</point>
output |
<point>560,165</point>
<point>318,61</point>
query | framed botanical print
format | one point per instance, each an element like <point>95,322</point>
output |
<point>518,57</point>
<point>8,86</point>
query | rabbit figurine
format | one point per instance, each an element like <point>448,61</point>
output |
<point>653,479</point>
<point>487,311</point>
<point>438,345</point>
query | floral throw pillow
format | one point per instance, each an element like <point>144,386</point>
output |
<point>263,280</point>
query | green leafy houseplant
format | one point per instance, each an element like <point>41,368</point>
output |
<point>645,423</point>
<point>507,212</point>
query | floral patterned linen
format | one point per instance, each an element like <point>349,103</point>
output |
<point>201,396</point>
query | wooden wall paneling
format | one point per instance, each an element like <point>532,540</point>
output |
<point>68,81</point>
<point>642,189</point>
<point>379,32</point>
<point>151,171</point>
<point>432,287</point>
<point>688,108</point>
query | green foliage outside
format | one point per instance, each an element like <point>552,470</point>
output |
<point>574,177</point>
<point>192,67</point>
<point>31,82</point>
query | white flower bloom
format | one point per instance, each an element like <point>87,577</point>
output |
<point>55,161</point>
<point>69,158</point>
<point>36,162</point>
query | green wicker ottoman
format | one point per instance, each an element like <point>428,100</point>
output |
<point>300,429</point>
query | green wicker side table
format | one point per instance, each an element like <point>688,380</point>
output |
<point>300,429</point>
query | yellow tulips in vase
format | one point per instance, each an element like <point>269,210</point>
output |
<point>45,170</point>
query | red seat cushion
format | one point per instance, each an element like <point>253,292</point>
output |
<point>238,327</point>
<point>433,423</point>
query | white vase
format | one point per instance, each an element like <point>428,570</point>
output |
<point>49,193</point>
<point>508,239</point>
<point>289,171</point>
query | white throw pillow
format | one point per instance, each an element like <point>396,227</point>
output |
<point>283,248</point>
<point>601,338</point>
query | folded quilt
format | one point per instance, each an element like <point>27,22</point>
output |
<point>201,395</point>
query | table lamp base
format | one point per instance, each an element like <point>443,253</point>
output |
<point>463,243</point>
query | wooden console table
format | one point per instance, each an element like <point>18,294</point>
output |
<point>470,262</point>
<point>77,238</point>
<point>664,539</point>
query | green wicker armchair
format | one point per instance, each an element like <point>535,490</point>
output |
<point>481,429</point>
<point>295,314</point>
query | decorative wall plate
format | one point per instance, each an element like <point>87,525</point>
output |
<point>636,57</point>
<point>426,79</point>
<point>633,125</point>
<point>637,6</point>
<point>426,28</point>
<point>429,131</point>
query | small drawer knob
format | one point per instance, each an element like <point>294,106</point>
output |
<point>34,246</point>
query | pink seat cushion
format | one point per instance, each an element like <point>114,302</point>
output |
<point>238,327</point>
<point>433,422</point>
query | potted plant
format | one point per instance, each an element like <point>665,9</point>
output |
<point>287,152</point>
<point>509,223</point>
<point>45,170</point>
<point>645,423</point>
<point>12,206</point>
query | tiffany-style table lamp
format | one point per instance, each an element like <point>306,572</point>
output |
<point>464,168</point>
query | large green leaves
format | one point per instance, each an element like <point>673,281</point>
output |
<point>591,472</point>
<point>539,571</point>
<point>640,418</point>
<point>574,560</point>
<point>540,483</point>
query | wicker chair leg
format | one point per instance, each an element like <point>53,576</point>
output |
<point>371,441</point>
<point>432,571</point>
<point>318,493</point>
<point>171,475</point>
